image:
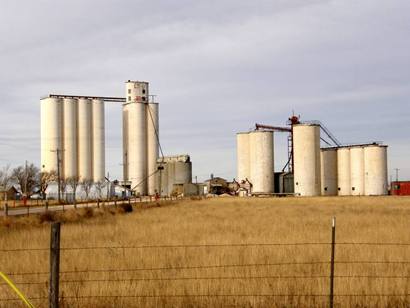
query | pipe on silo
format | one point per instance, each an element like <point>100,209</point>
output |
<point>152,116</point>
<point>343,172</point>
<point>85,157</point>
<point>242,156</point>
<point>357,171</point>
<point>375,169</point>
<point>261,162</point>
<point>51,133</point>
<point>125,149</point>
<point>306,152</point>
<point>98,140</point>
<point>70,112</point>
<point>328,160</point>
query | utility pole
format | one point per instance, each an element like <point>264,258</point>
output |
<point>397,174</point>
<point>25,182</point>
<point>58,174</point>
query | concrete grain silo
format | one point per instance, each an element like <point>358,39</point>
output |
<point>152,116</point>
<point>51,133</point>
<point>261,162</point>
<point>98,140</point>
<point>375,170</point>
<point>343,171</point>
<point>137,97</point>
<point>328,159</point>
<point>85,157</point>
<point>357,170</point>
<point>306,158</point>
<point>242,156</point>
<point>70,129</point>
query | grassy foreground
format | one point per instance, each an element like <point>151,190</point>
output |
<point>168,276</point>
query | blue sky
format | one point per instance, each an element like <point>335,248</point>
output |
<point>217,67</point>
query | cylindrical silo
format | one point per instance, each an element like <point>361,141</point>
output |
<point>125,130</point>
<point>242,156</point>
<point>357,170</point>
<point>51,134</point>
<point>152,145</point>
<point>343,172</point>
<point>328,159</point>
<point>306,159</point>
<point>98,140</point>
<point>261,162</point>
<point>85,162</point>
<point>137,148</point>
<point>183,172</point>
<point>375,170</point>
<point>70,137</point>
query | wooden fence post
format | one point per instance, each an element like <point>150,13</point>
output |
<point>332,263</point>
<point>54,265</point>
<point>6,209</point>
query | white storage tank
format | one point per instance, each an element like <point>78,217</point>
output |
<point>357,170</point>
<point>261,162</point>
<point>137,97</point>
<point>375,170</point>
<point>70,154</point>
<point>85,162</point>
<point>51,133</point>
<point>343,171</point>
<point>98,140</point>
<point>306,159</point>
<point>152,145</point>
<point>242,156</point>
<point>328,159</point>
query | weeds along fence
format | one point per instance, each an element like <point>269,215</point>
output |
<point>300,274</point>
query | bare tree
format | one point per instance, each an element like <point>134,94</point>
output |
<point>27,178</point>
<point>99,186</point>
<point>5,180</point>
<point>73,183</point>
<point>87,184</point>
<point>45,179</point>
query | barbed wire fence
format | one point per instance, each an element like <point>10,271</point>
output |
<point>49,282</point>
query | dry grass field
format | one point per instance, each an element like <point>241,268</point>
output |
<point>168,260</point>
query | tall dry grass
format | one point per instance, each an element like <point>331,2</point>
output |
<point>222,221</point>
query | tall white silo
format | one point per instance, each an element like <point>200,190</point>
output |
<point>137,98</point>
<point>261,162</point>
<point>152,115</point>
<point>375,170</point>
<point>242,156</point>
<point>328,159</point>
<point>85,161</point>
<point>98,140</point>
<point>343,171</point>
<point>125,130</point>
<point>51,133</point>
<point>306,159</point>
<point>70,153</point>
<point>357,170</point>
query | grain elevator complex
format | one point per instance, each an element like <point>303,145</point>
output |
<point>331,170</point>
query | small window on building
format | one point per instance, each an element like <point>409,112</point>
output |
<point>325,188</point>
<point>143,91</point>
<point>129,91</point>
<point>297,183</point>
<point>353,188</point>
<point>338,188</point>
<point>143,98</point>
<point>129,98</point>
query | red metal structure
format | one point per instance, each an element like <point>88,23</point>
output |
<point>400,188</point>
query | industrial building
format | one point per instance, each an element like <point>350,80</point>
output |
<point>400,188</point>
<point>73,137</point>
<point>312,170</point>
<point>173,173</point>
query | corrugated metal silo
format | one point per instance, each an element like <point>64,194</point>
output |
<point>85,161</point>
<point>375,170</point>
<point>328,159</point>
<point>343,171</point>
<point>357,170</point>
<point>51,133</point>
<point>70,154</point>
<point>306,151</point>
<point>152,145</point>
<point>98,140</point>
<point>261,161</point>
<point>242,156</point>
